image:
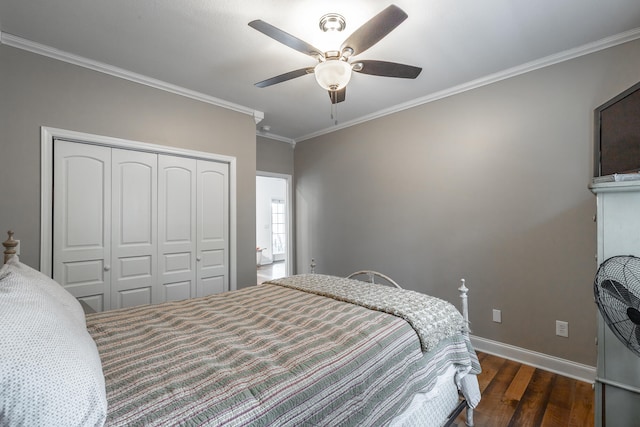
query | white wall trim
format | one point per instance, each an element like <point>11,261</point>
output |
<point>290,247</point>
<point>47,136</point>
<point>276,137</point>
<point>40,49</point>
<point>491,78</point>
<point>543,361</point>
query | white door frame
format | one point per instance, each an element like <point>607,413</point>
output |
<point>288,257</point>
<point>47,136</point>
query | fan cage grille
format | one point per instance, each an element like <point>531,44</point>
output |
<point>617,294</point>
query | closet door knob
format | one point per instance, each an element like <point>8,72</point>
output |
<point>198,259</point>
<point>107,267</point>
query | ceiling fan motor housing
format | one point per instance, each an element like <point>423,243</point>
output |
<point>333,74</point>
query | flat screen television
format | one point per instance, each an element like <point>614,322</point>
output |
<point>617,134</point>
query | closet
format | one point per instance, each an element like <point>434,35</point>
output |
<point>136,227</point>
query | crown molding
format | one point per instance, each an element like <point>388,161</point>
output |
<point>276,137</point>
<point>489,79</point>
<point>258,116</point>
<point>20,43</point>
<point>44,50</point>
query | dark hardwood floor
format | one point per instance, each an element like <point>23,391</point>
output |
<point>517,395</point>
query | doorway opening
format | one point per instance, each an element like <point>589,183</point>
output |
<point>273,226</point>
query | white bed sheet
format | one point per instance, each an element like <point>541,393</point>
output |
<point>432,408</point>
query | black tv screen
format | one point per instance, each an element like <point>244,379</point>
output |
<point>617,134</point>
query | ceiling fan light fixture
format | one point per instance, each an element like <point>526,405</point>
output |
<point>333,74</point>
<point>332,22</point>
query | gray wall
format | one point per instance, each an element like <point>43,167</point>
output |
<point>274,156</point>
<point>37,91</point>
<point>490,185</point>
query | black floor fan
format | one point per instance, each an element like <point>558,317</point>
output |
<point>617,294</point>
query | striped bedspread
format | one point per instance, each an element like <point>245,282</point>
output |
<point>262,356</point>
<point>432,318</point>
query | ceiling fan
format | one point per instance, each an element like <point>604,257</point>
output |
<point>333,70</point>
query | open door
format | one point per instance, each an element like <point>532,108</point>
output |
<point>273,226</point>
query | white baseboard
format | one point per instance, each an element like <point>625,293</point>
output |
<point>543,361</point>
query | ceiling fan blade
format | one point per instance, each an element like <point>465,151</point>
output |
<point>286,76</point>
<point>286,38</point>
<point>338,95</point>
<point>372,31</point>
<point>387,69</point>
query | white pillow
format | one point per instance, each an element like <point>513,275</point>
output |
<point>50,371</point>
<point>48,285</point>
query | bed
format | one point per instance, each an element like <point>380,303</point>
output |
<point>303,350</point>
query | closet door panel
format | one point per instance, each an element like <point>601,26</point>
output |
<point>213,285</point>
<point>176,227</point>
<point>82,219</point>
<point>134,224</point>
<point>132,297</point>
<point>176,291</point>
<point>213,228</point>
<point>95,302</point>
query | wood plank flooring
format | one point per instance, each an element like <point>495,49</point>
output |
<point>271,271</point>
<point>517,395</point>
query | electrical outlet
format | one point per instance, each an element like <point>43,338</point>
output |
<point>562,328</point>
<point>497,316</point>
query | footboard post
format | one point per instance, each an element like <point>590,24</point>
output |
<point>465,314</point>
<point>465,306</point>
<point>469,420</point>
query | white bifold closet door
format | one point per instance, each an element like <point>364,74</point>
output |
<point>134,221</point>
<point>193,227</point>
<point>136,228</point>
<point>82,221</point>
<point>212,228</point>
<point>176,227</point>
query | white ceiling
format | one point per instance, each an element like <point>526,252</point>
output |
<point>205,48</point>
